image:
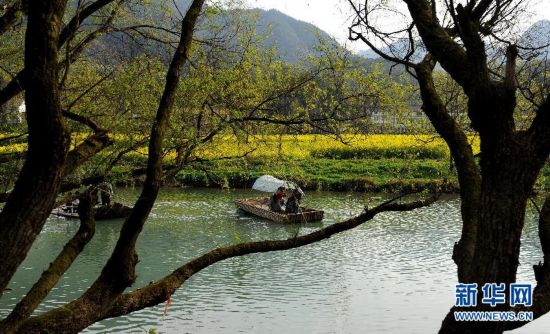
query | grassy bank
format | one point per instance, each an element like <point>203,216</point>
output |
<point>317,162</point>
<point>328,174</point>
<point>360,163</point>
<point>356,163</point>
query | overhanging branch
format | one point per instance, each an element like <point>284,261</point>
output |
<point>157,292</point>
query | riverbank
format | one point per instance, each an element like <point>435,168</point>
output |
<point>364,163</point>
<point>364,175</point>
<point>370,163</point>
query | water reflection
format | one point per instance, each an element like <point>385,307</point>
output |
<point>391,275</point>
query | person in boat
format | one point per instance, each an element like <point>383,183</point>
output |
<point>277,200</point>
<point>106,191</point>
<point>293,202</point>
<point>72,203</point>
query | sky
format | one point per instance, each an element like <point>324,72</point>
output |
<point>333,15</point>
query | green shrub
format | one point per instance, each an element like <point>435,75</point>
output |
<point>344,153</point>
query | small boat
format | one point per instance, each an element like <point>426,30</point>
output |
<point>260,207</point>
<point>102,212</point>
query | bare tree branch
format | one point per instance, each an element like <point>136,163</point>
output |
<point>437,40</point>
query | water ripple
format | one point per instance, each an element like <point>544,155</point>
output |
<point>393,274</point>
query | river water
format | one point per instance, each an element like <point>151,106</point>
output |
<point>393,274</point>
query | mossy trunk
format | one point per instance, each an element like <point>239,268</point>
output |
<point>34,194</point>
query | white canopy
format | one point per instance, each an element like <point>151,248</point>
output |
<point>268,183</point>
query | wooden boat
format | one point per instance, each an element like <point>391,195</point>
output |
<point>260,207</point>
<point>102,212</point>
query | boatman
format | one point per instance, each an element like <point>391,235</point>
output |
<point>293,202</point>
<point>106,191</point>
<point>277,200</point>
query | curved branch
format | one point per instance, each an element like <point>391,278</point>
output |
<point>359,36</point>
<point>469,176</point>
<point>82,120</point>
<point>438,42</point>
<point>105,27</point>
<point>157,292</point>
<point>76,21</point>
<point>57,268</point>
<point>362,21</point>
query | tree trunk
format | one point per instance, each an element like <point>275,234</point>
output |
<point>119,271</point>
<point>508,176</point>
<point>34,194</point>
<point>494,194</point>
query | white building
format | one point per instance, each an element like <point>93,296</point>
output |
<point>20,111</point>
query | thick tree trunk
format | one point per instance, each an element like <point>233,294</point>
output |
<point>506,187</point>
<point>508,177</point>
<point>34,194</point>
<point>119,271</point>
<point>494,194</point>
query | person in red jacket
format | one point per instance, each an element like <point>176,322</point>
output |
<point>277,200</point>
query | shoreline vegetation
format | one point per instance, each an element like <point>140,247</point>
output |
<point>363,163</point>
<point>370,163</point>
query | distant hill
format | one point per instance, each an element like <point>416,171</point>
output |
<point>536,36</point>
<point>292,38</point>
<point>368,54</point>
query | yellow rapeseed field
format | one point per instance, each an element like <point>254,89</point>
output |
<point>305,146</point>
